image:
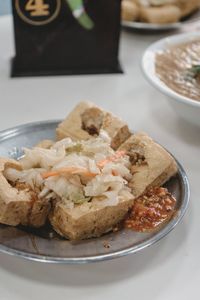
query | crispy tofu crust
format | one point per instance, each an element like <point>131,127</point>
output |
<point>20,206</point>
<point>75,226</point>
<point>86,120</point>
<point>155,167</point>
<point>39,213</point>
<point>14,205</point>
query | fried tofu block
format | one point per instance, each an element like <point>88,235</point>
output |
<point>14,204</point>
<point>86,121</point>
<point>19,205</point>
<point>152,165</point>
<point>161,14</point>
<point>76,224</point>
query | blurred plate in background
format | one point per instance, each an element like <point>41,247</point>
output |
<point>195,17</point>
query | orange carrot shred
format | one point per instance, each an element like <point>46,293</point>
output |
<point>116,156</point>
<point>69,170</point>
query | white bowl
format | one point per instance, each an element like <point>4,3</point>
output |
<point>187,108</point>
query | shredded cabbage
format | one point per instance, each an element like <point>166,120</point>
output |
<point>105,187</point>
<point>43,158</point>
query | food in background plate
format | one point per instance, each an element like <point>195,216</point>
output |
<point>160,15</point>
<point>158,11</point>
<point>187,7</point>
<point>130,11</point>
<point>179,68</point>
<point>88,181</point>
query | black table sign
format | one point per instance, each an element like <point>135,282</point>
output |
<point>55,37</point>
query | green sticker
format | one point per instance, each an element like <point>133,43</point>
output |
<point>78,11</point>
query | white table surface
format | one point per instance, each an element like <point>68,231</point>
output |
<point>169,270</point>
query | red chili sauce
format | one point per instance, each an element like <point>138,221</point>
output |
<point>150,210</point>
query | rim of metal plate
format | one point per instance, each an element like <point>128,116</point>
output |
<point>149,26</point>
<point>98,258</point>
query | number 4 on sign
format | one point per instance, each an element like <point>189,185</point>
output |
<point>37,7</point>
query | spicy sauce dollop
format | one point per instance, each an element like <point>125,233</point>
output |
<point>150,210</point>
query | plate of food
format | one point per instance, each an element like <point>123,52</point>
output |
<point>86,189</point>
<point>172,65</point>
<point>159,14</point>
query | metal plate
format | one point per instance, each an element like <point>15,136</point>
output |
<point>162,27</point>
<point>45,245</point>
